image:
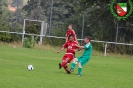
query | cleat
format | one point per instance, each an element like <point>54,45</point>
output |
<point>71,70</point>
<point>68,72</point>
<point>78,74</point>
<point>60,66</point>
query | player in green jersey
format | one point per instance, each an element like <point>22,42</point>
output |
<point>84,58</point>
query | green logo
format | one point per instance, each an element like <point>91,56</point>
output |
<point>121,10</point>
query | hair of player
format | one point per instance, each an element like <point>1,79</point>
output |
<point>70,35</point>
<point>70,25</point>
<point>88,37</point>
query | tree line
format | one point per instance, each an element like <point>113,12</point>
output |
<point>99,23</point>
<point>96,16</point>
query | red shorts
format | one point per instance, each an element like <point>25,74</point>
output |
<point>67,57</point>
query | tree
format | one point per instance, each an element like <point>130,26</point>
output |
<point>40,9</point>
<point>15,2</point>
<point>99,22</point>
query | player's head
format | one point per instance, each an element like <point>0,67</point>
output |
<point>71,37</point>
<point>70,26</point>
<point>87,39</point>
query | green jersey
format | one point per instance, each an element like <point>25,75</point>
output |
<point>87,50</point>
<point>86,55</point>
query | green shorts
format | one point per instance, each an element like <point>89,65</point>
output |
<point>83,60</point>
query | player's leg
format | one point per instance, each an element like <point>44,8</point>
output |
<point>81,62</point>
<point>67,69</point>
<point>64,64</point>
<point>68,59</point>
<point>73,64</point>
<point>63,60</point>
<point>79,69</point>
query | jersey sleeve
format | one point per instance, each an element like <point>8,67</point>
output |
<point>87,46</point>
<point>65,45</point>
<point>73,32</point>
<point>76,43</point>
<point>67,33</point>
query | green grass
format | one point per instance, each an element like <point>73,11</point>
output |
<point>100,72</point>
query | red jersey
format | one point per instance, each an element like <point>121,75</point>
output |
<point>69,32</point>
<point>70,45</point>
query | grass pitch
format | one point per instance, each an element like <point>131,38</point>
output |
<point>100,72</point>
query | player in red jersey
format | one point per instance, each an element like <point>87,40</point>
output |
<point>70,53</point>
<point>69,32</point>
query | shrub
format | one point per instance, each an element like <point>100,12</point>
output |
<point>5,37</point>
<point>14,37</point>
<point>29,42</point>
<point>53,41</point>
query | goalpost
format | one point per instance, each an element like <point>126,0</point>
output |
<point>42,32</point>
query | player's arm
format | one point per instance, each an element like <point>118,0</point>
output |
<point>87,46</point>
<point>80,47</point>
<point>60,50</point>
<point>66,37</point>
<point>77,49</point>
<point>63,47</point>
<point>73,32</point>
<point>75,36</point>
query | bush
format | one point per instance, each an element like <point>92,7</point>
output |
<point>14,37</point>
<point>31,28</point>
<point>29,42</point>
<point>5,37</point>
<point>53,41</point>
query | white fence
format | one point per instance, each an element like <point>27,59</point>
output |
<point>105,42</point>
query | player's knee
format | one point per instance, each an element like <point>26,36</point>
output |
<point>67,59</point>
<point>75,59</point>
<point>79,64</point>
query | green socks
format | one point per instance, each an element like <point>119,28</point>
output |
<point>80,70</point>
<point>73,65</point>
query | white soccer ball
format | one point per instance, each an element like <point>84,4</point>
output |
<point>30,67</point>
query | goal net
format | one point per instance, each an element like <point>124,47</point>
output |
<point>40,26</point>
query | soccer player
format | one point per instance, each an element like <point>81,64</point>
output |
<point>69,32</point>
<point>70,53</point>
<point>84,58</point>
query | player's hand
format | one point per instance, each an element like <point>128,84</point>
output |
<point>79,49</point>
<point>76,45</point>
<point>58,51</point>
<point>75,50</point>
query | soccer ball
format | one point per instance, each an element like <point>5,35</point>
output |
<point>30,67</point>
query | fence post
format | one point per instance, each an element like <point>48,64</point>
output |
<point>23,31</point>
<point>105,49</point>
<point>41,34</point>
<point>33,39</point>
